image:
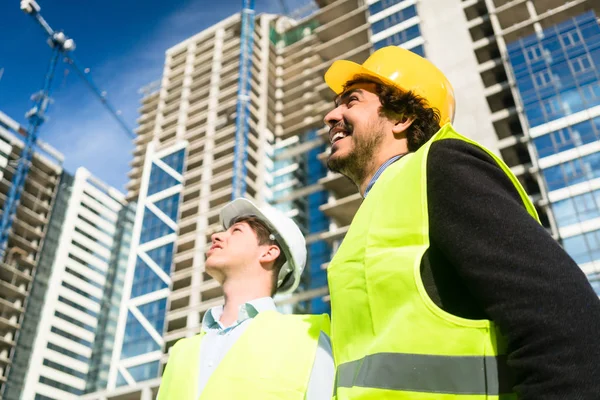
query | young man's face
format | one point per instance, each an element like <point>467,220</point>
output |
<point>233,249</point>
<point>356,130</point>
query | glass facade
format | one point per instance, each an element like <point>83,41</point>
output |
<point>97,378</point>
<point>290,175</point>
<point>32,316</point>
<point>319,252</point>
<point>145,371</point>
<point>152,267</point>
<point>556,78</point>
<point>385,20</point>
<point>555,74</point>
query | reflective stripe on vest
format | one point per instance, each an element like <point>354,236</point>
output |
<point>390,340</point>
<point>427,373</point>
<point>272,360</point>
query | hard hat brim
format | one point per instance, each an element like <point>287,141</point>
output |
<point>343,71</point>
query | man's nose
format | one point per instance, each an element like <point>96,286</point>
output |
<point>216,237</point>
<point>333,116</point>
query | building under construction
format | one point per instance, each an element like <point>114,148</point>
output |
<point>27,238</point>
<point>182,169</point>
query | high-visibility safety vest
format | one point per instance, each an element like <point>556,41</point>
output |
<point>272,360</point>
<point>390,340</point>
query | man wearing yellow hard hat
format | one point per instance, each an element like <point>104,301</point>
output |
<point>446,286</point>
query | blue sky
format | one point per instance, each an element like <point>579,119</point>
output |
<point>123,43</point>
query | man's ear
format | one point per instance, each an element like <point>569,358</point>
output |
<point>402,125</point>
<point>270,254</point>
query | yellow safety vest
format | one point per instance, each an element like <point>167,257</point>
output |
<point>272,360</point>
<point>390,340</point>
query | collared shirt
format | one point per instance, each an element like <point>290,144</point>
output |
<point>219,339</point>
<point>380,171</point>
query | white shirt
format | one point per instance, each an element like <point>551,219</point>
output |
<point>219,339</point>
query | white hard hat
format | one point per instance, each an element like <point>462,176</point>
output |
<point>286,232</point>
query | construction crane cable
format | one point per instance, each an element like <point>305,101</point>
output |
<point>60,44</point>
<point>90,83</point>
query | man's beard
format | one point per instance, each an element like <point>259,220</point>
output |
<point>357,164</point>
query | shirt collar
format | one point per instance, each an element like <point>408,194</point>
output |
<point>380,171</point>
<point>246,311</point>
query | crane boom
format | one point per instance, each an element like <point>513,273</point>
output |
<point>61,45</point>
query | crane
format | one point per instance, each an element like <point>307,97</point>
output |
<point>243,100</point>
<point>60,45</point>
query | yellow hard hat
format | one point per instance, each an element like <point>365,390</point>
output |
<point>404,69</point>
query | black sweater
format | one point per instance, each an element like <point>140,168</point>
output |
<point>489,259</point>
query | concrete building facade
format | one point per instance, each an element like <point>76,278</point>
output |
<point>67,322</point>
<point>469,40</point>
<point>27,238</point>
<point>181,176</point>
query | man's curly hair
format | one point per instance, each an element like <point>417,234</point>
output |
<point>405,104</point>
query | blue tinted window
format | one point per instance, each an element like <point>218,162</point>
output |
<point>577,209</point>
<point>399,38</point>
<point>81,292</point>
<point>420,50</point>
<point>555,75</point>
<point>59,385</point>
<point>89,251</point>
<point>74,321</point>
<point>169,206</point>
<point>591,94</point>
<point>120,380</point>
<point>160,180</point>
<point>581,64</point>
<point>145,280</point>
<point>65,369</point>
<point>318,252</point>
<point>394,19</point>
<point>137,340</point>
<point>572,172</point>
<point>544,146</point>
<point>68,353</point>
<point>69,336</point>
<point>568,138</point>
<point>155,313</point>
<point>382,5</point>
<point>77,306</point>
<point>175,160</point>
<point>163,256</point>
<point>570,38</point>
<point>88,265</point>
<point>144,372</point>
<point>153,227</point>
<point>583,248</point>
<point>595,282</point>
<point>83,278</point>
<point>42,397</point>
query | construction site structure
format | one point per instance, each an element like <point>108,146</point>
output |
<point>68,329</point>
<point>193,115</point>
<point>29,233</point>
<point>538,61</point>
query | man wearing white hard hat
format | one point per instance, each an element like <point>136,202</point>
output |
<point>246,349</point>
